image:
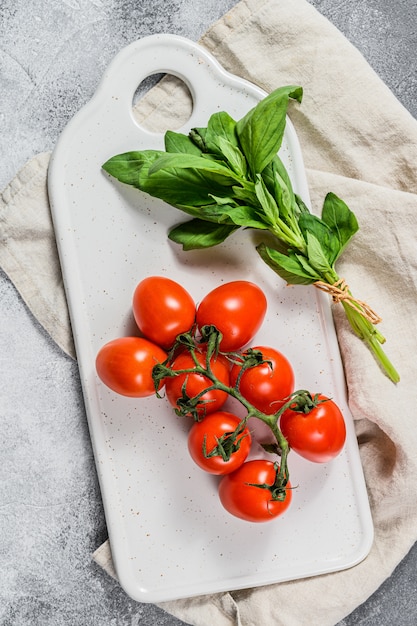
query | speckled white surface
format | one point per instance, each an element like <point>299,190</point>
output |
<point>52,57</point>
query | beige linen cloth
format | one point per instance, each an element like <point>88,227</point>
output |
<point>360,143</point>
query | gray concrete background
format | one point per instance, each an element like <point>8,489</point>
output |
<point>52,55</point>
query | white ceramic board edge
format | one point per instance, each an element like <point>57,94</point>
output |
<point>169,536</point>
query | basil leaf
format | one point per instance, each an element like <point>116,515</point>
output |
<point>281,175</point>
<point>196,234</point>
<point>340,219</point>
<point>177,142</point>
<point>215,212</point>
<point>132,168</point>
<point>184,187</point>
<point>305,264</point>
<point>227,213</point>
<point>287,266</point>
<point>233,156</point>
<point>245,216</point>
<point>279,184</point>
<point>246,193</point>
<point>220,128</point>
<point>300,207</point>
<point>261,130</point>
<point>222,125</point>
<point>219,173</point>
<point>226,200</point>
<point>266,201</point>
<point>317,255</point>
<point>198,137</point>
<point>329,242</point>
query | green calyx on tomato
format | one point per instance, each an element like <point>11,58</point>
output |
<point>303,401</point>
<point>246,493</point>
<point>265,377</point>
<point>314,426</point>
<point>228,444</point>
<point>277,489</point>
<point>197,383</point>
<point>219,443</point>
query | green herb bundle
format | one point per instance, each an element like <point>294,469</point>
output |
<point>229,175</point>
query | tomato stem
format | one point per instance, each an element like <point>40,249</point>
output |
<point>227,444</point>
<point>278,489</point>
<point>211,337</point>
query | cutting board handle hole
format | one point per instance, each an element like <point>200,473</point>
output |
<point>162,102</point>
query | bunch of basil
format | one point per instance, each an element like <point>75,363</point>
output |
<point>229,175</point>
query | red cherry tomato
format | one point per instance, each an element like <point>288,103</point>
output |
<point>266,385</point>
<point>216,433</point>
<point>240,495</point>
<point>125,365</point>
<point>196,383</point>
<point>319,435</point>
<point>237,309</point>
<point>162,309</point>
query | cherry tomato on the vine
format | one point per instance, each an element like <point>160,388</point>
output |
<point>242,497</point>
<point>162,309</point>
<point>319,435</point>
<point>266,385</point>
<point>125,365</point>
<point>237,309</point>
<point>220,443</point>
<point>195,383</point>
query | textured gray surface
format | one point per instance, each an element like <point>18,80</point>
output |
<point>52,54</point>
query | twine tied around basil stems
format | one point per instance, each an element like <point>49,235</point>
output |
<point>339,291</point>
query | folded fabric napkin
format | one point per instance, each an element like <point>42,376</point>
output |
<point>359,142</point>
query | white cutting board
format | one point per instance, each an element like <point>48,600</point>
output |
<point>169,535</point>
